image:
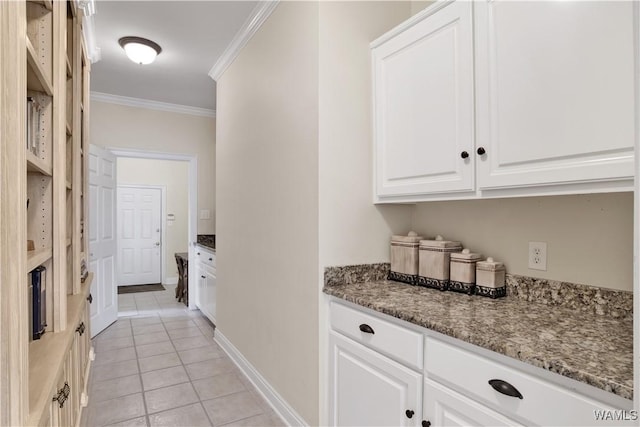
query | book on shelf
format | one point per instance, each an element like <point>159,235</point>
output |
<point>34,116</point>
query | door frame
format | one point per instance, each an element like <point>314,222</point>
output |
<point>163,221</point>
<point>192,196</point>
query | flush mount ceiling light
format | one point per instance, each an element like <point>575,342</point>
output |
<point>139,50</point>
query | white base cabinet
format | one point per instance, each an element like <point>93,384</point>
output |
<point>206,287</point>
<point>370,389</point>
<point>446,408</point>
<point>373,382</point>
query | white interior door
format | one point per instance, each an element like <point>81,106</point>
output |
<point>139,232</point>
<point>102,238</point>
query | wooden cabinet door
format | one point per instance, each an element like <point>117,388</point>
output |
<point>368,389</point>
<point>446,408</point>
<point>555,93</point>
<point>423,105</point>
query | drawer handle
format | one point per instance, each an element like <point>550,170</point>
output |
<point>409,413</point>
<point>505,388</point>
<point>210,259</point>
<point>366,329</point>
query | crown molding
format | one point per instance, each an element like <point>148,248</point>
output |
<point>259,14</point>
<point>152,105</point>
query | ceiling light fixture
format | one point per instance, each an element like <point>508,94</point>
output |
<point>139,50</point>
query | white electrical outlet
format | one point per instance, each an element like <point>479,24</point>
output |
<point>538,256</point>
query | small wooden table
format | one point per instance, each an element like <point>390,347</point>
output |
<point>182,290</point>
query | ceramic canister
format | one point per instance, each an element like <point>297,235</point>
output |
<point>490,279</point>
<point>433,271</point>
<point>463,271</point>
<point>404,258</point>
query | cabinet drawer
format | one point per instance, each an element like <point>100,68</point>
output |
<point>399,343</point>
<point>542,402</point>
<point>205,257</point>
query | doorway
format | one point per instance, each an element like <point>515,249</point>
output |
<point>140,234</point>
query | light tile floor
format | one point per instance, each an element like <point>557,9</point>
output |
<point>159,366</point>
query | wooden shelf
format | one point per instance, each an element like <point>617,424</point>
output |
<point>37,257</point>
<point>48,4</point>
<point>36,77</point>
<point>35,164</point>
<point>46,356</point>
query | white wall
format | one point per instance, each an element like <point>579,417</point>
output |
<point>267,199</point>
<point>144,129</point>
<point>174,176</point>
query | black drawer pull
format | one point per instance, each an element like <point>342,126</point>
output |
<point>90,298</point>
<point>464,154</point>
<point>409,413</point>
<point>505,388</point>
<point>481,151</point>
<point>210,259</point>
<point>426,423</point>
<point>366,329</point>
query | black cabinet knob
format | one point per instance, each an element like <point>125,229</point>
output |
<point>366,329</point>
<point>426,423</point>
<point>90,298</point>
<point>198,253</point>
<point>210,259</point>
<point>464,155</point>
<point>505,388</point>
<point>204,277</point>
<point>409,413</point>
<point>481,151</point>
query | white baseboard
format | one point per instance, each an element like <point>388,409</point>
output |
<point>279,405</point>
<point>171,280</point>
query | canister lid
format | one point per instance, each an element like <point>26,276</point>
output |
<point>466,255</point>
<point>440,243</point>
<point>490,265</point>
<point>411,237</point>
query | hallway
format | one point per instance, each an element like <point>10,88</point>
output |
<point>159,366</point>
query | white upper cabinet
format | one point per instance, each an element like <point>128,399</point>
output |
<point>498,98</point>
<point>554,87</point>
<point>423,90</point>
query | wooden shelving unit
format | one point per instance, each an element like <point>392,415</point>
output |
<point>49,67</point>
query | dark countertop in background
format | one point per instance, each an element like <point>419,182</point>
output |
<point>207,240</point>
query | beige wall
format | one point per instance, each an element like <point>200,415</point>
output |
<point>267,198</point>
<point>174,176</point>
<point>589,237</point>
<point>352,229</point>
<point>419,5</point>
<point>144,129</point>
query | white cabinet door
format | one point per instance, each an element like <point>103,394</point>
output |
<point>446,408</point>
<point>423,102</point>
<point>200,287</point>
<point>554,89</point>
<point>210,294</point>
<point>368,389</point>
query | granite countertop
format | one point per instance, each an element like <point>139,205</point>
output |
<point>208,241</point>
<point>594,349</point>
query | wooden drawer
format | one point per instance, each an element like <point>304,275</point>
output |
<point>542,402</point>
<point>403,345</point>
<point>205,256</point>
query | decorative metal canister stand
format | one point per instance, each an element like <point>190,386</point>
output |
<point>435,261</point>
<point>404,258</point>
<point>463,271</point>
<point>490,277</point>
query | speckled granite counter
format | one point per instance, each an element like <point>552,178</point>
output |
<point>208,241</point>
<point>594,349</point>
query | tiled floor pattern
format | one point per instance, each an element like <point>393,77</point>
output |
<point>161,367</point>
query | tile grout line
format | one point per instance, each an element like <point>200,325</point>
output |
<point>144,400</point>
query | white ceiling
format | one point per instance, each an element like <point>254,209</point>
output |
<point>192,34</point>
